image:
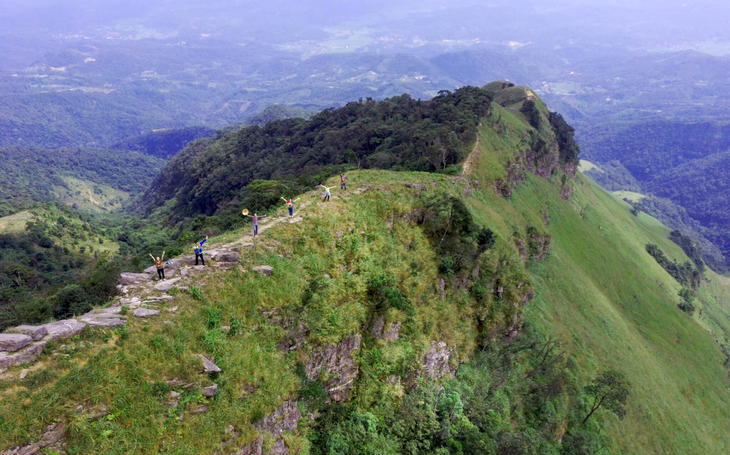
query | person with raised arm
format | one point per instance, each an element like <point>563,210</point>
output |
<point>290,205</point>
<point>160,263</point>
<point>255,220</point>
<point>198,248</point>
<point>326,192</point>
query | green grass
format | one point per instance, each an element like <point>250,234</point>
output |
<point>608,302</point>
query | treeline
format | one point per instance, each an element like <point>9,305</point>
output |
<point>166,143</point>
<point>30,174</point>
<point>686,274</point>
<point>55,268</point>
<point>399,133</point>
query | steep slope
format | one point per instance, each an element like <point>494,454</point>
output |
<point>414,313</point>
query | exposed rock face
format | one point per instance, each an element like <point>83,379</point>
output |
<point>35,332</point>
<point>227,257</point>
<point>392,333</point>
<point>285,417</point>
<point>64,329</point>
<point>11,342</point>
<point>145,313</point>
<point>52,436</point>
<point>164,286</point>
<point>263,270</point>
<point>337,363</point>
<point>436,361</point>
<point>255,448</point>
<point>540,246</point>
<point>24,356</point>
<point>520,244</point>
<point>127,279</point>
<point>110,318</point>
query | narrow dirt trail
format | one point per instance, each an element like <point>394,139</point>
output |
<point>469,162</point>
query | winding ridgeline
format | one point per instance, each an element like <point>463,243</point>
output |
<point>470,293</point>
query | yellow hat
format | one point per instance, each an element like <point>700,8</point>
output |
<point>245,212</point>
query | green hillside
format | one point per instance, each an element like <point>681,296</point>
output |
<point>94,180</point>
<point>536,281</point>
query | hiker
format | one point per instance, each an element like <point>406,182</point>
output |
<point>160,263</point>
<point>326,193</point>
<point>199,251</point>
<point>343,182</point>
<point>255,220</point>
<point>290,204</point>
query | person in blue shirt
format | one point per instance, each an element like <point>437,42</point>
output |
<point>198,247</point>
<point>290,205</point>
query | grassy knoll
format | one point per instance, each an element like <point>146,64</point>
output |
<point>598,292</point>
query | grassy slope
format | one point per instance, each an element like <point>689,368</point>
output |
<point>599,292</point>
<point>614,305</point>
<point>90,196</point>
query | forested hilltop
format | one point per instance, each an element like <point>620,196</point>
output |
<point>257,165</point>
<point>498,303</point>
<point>97,180</point>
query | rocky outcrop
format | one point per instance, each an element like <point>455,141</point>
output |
<point>539,246</point>
<point>436,361</point>
<point>337,363</point>
<point>54,331</point>
<point>255,448</point>
<point>35,332</point>
<point>64,329</point>
<point>263,270</point>
<point>108,318</point>
<point>391,333</point>
<point>164,286</point>
<point>227,257</point>
<point>145,313</point>
<point>11,342</point>
<point>285,417</point>
<point>52,438</point>
<point>127,279</point>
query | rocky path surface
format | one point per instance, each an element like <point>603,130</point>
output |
<point>139,295</point>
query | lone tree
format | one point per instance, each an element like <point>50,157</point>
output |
<point>610,391</point>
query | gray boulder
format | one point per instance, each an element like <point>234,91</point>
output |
<point>164,286</point>
<point>35,332</point>
<point>64,329</point>
<point>210,391</point>
<point>208,365</point>
<point>263,270</point>
<point>24,356</point>
<point>104,320</point>
<point>227,257</point>
<point>145,313</point>
<point>11,342</point>
<point>127,279</point>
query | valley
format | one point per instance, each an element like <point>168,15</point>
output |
<point>485,302</point>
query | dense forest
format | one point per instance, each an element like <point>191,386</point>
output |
<point>36,175</point>
<point>165,143</point>
<point>399,133</point>
<point>684,163</point>
<point>61,264</point>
